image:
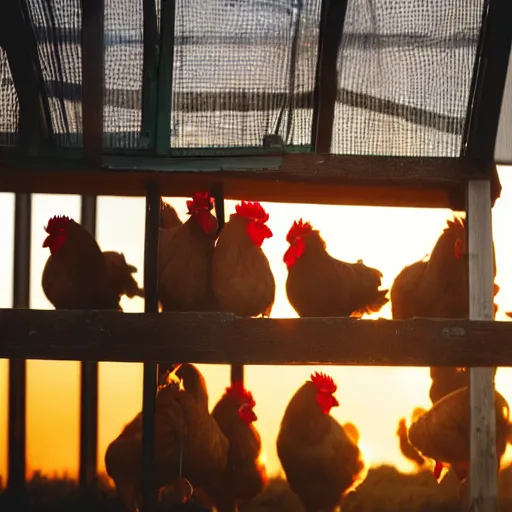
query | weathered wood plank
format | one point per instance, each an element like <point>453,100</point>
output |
<point>223,338</point>
<point>483,483</point>
<point>304,178</point>
<point>503,149</point>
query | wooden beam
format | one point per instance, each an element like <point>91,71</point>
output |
<point>16,483</point>
<point>150,376</point>
<point>88,457</point>
<point>488,82</point>
<point>308,178</point>
<point>483,481</point>
<point>222,338</point>
<point>332,19</point>
<point>503,149</point>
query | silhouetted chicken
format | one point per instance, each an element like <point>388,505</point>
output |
<point>245,475</point>
<point>319,285</point>
<point>185,258</point>
<point>168,217</point>
<point>442,433</point>
<point>242,279</point>
<point>188,442</point>
<point>78,275</point>
<point>320,459</point>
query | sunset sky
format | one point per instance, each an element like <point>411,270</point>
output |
<point>372,398</point>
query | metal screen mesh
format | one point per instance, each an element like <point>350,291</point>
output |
<point>239,70</point>
<point>57,25</point>
<point>8,104</point>
<point>124,48</point>
<point>405,71</point>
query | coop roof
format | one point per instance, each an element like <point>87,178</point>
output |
<point>198,78</point>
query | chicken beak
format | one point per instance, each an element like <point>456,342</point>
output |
<point>46,242</point>
<point>335,402</point>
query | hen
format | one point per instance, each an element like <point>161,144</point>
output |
<point>442,433</point>
<point>319,458</point>
<point>185,258</point>
<point>78,275</point>
<point>319,285</point>
<point>188,441</point>
<point>245,475</point>
<point>242,280</point>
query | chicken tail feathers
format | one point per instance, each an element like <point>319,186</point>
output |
<point>376,304</point>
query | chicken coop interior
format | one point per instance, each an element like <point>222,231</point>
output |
<point>333,102</point>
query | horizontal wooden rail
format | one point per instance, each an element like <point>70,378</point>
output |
<point>222,338</point>
<point>301,178</point>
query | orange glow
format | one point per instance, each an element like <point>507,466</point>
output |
<point>371,398</point>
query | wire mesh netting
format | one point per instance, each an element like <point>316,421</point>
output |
<point>57,25</point>
<point>405,72</point>
<point>243,69</point>
<point>8,104</point>
<point>124,52</point>
<point>246,68</point>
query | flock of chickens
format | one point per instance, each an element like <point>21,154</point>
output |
<point>216,456</point>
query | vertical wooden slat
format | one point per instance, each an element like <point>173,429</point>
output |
<point>149,491</point>
<point>503,149</point>
<point>165,69</point>
<point>483,479</point>
<point>237,370</point>
<point>93,84</point>
<point>17,367</point>
<point>88,465</point>
<point>332,19</point>
<point>489,75</point>
<point>149,72</point>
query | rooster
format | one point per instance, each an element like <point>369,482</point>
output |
<point>185,258</point>
<point>242,279</point>
<point>319,458</point>
<point>188,442</point>
<point>78,275</point>
<point>245,475</point>
<point>319,285</point>
<point>407,449</point>
<point>442,433</point>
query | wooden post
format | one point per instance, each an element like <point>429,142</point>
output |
<point>483,480</point>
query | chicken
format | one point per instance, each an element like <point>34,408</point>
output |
<point>188,442</point>
<point>78,275</point>
<point>185,259</point>
<point>319,285</point>
<point>442,433</point>
<point>243,282</point>
<point>245,475</point>
<point>437,287</point>
<point>319,458</point>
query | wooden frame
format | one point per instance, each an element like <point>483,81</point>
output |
<point>483,476</point>
<point>222,338</point>
<point>302,178</point>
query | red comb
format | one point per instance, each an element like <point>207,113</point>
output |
<point>323,382</point>
<point>200,201</point>
<point>252,211</point>
<point>438,469</point>
<point>238,391</point>
<point>298,229</point>
<point>56,222</point>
